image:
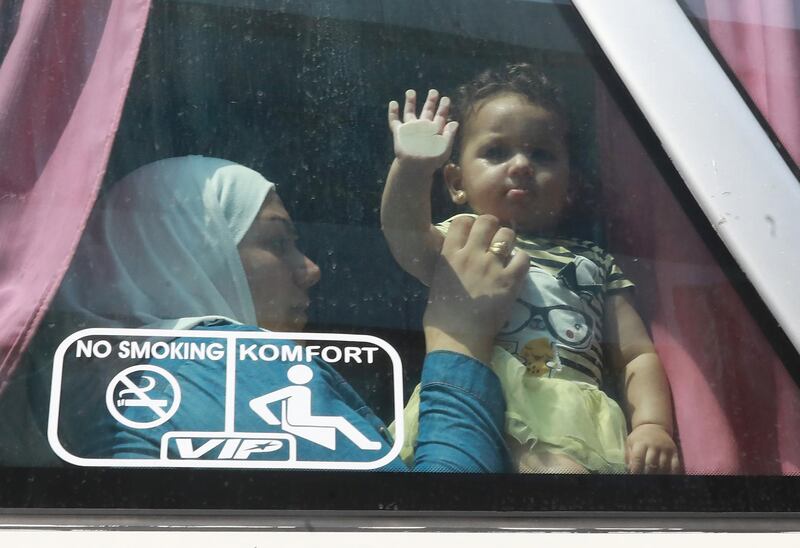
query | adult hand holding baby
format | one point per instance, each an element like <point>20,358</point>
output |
<point>473,288</point>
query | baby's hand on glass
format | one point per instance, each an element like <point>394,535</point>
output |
<point>651,450</point>
<point>427,140</point>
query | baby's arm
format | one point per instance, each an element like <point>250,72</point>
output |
<point>650,447</point>
<point>421,146</point>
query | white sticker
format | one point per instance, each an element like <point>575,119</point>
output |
<point>209,399</point>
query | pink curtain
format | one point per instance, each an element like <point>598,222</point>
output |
<point>63,84</point>
<point>737,409</point>
<point>760,41</point>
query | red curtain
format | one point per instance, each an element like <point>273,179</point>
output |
<point>760,41</point>
<point>63,83</point>
<point>737,409</point>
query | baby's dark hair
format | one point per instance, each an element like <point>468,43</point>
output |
<point>519,78</point>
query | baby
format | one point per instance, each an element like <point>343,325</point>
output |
<point>574,323</point>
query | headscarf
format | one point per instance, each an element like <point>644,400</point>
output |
<point>160,249</point>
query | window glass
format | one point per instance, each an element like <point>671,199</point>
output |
<point>634,345</point>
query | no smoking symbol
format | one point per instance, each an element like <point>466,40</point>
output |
<point>124,392</point>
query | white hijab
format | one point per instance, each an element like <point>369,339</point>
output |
<point>160,249</point>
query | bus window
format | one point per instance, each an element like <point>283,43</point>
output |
<point>636,345</point>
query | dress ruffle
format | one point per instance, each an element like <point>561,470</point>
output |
<point>549,415</point>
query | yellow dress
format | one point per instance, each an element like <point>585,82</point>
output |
<point>549,415</point>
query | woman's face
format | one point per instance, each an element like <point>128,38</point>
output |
<point>278,273</point>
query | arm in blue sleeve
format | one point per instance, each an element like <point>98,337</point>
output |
<point>461,417</point>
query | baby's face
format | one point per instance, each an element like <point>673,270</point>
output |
<point>514,163</point>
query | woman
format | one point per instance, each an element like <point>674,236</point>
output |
<point>205,244</point>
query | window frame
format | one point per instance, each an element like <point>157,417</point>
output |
<point>629,48</point>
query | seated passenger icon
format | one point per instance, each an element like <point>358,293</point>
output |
<point>296,417</point>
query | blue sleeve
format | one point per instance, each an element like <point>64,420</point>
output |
<point>461,417</point>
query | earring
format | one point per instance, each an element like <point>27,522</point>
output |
<point>460,197</point>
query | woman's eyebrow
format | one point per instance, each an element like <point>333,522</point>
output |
<point>287,224</point>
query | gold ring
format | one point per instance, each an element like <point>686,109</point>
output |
<point>501,249</point>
